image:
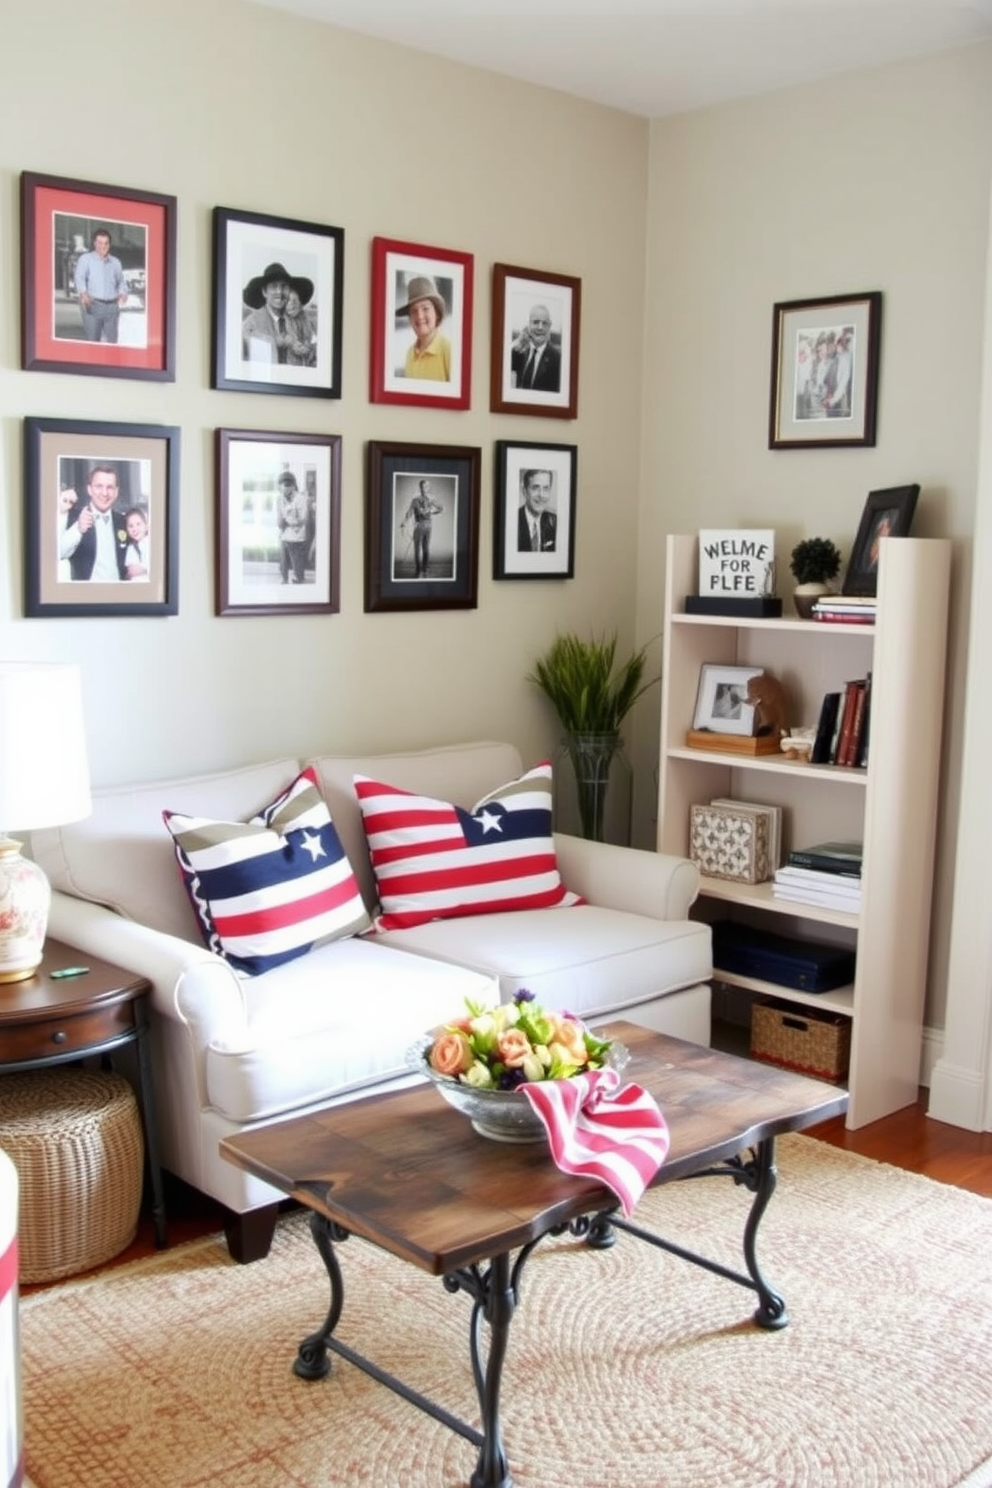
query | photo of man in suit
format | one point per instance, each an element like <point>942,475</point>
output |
<point>94,539</point>
<point>537,525</point>
<point>535,359</point>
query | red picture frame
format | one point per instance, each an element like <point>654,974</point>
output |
<point>60,220</point>
<point>396,373</point>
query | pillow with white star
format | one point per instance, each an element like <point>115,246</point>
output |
<point>267,890</point>
<point>435,861</point>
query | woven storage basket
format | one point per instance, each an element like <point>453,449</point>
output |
<point>75,1138</point>
<point>813,1044</point>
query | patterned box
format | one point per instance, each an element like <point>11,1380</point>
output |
<point>731,842</point>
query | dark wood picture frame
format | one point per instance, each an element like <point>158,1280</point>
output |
<point>547,474</point>
<point>250,248</point>
<point>887,513</point>
<point>445,537</point>
<point>825,361</point>
<point>61,220</point>
<point>72,468</point>
<point>444,278</point>
<point>269,486</point>
<point>518,296</point>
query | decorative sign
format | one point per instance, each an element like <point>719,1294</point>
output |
<point>736,563</point>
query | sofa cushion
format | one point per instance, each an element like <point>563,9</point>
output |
<point>591,961</point>
<point>434,860</point>
<point>267,890</point>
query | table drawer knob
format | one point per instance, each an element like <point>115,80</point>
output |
<point>59,1037</point>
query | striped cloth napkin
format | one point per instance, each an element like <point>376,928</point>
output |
<point>597,1130</point>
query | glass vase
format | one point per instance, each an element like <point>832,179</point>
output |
<point>593,788</point>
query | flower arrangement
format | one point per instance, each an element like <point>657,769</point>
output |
<point>500,1048</point>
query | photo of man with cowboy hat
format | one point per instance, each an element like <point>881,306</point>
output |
<point>429,357</point>
<point>269,332</point>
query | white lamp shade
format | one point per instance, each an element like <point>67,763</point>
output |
<point>44,773</point>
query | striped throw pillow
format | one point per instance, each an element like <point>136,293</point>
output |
<point>435,861</point>
<point>268,890</point>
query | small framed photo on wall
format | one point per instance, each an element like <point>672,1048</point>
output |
<point>101,518</point>
<point>278,293</point>
<point>421,336</point>
<point>422,527</point>
<point>535,343</point>
<point>278,523</point>
<point>98,268</point>
<point>534,509</point>
<point>825,372</point>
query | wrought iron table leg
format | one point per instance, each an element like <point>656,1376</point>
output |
<point>311,1360</point>
<point>771,1312</point>
<point>497,1302</point>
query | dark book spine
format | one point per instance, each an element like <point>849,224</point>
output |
<point>850,756</point>
<point>841,867</point>
<point>825,729</point>
<point>844,724</point>
<point>862,759</point>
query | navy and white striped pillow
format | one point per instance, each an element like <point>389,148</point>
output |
<point>268,890</point>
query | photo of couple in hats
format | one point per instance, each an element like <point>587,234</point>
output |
<point>280,319</point>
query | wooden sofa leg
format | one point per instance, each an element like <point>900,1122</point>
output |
<point>249,1235</point>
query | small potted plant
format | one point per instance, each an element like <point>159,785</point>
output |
<point>814,562</point>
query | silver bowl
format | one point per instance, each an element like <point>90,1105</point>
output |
<point>501,1115</point>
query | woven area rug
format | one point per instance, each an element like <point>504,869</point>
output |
<point>626,1368</point>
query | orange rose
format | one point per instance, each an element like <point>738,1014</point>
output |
<point>514,1047</point>
<point>569,1034</point>
<point>451,1054</point>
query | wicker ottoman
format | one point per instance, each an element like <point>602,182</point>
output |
<point>75,1139</point>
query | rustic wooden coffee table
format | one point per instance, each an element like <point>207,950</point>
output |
<point>408,1173</point>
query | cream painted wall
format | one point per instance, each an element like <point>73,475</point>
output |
<point>224,104</point>
<point>875,180</point>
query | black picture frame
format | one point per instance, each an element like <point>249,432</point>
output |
<point>248,246</point>
<point>71,467</point>
<point>396,475</point>
<point>517,295</point>
<point>819,401</point>
<point>551,471</point>
<point>887,513</point>
<point>258,571</point>
<point>61,220</point>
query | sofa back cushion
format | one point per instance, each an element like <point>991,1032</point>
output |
<point>121,854</point>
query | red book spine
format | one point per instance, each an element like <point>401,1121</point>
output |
<point>847,748</point>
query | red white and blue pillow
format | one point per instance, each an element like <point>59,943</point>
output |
<point>270,889</point>
<point>435,861</point>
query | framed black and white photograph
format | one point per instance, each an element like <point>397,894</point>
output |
<point>535,343</point>
<point>534,510</point>
<point>98,270</point>
<point>825,372</point>
<point>101,519</point>
<point>278,293</point>
<point>886,513</point>
<point>421,339</point>
<point>422,527</point>
<point>721,701</point>
<point>278,523</point>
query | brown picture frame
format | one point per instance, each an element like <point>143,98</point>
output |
<point>806,410</point>
<point>425,560</point>
<point>517,295</point>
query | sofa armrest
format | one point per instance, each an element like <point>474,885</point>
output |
<point>631,878</point>
<point>190,984</point>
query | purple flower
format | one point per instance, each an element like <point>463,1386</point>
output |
<point>523,996</point>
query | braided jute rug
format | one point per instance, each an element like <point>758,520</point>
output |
<point>625,1369</point>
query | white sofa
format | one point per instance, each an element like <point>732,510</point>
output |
<point>231,1052</point>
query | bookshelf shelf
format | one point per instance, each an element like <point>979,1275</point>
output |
<point>890,805</point>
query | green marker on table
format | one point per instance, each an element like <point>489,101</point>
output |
<point>70,971</point>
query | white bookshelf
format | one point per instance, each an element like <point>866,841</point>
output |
<point>891,805</point>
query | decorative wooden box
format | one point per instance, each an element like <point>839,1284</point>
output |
<point>733,842</point>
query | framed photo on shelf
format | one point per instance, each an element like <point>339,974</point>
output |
<point>534,509</point>
<point>98,279</point>
<point>421,325</point>
<point>886,514</point>
<point>422,527</point>
<point>278,293</point>
<point>535,343</point>
<point>278,523</point>
<point>721,701</point>
<point>101,519</point>
<point>825,372</point>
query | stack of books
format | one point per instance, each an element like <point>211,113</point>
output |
<point>827,874</point>
<point>846,609</point>
<point>842,731</point>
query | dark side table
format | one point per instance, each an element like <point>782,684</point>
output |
<point>47,1020</point>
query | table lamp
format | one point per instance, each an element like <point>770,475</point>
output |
<point>44,782</point>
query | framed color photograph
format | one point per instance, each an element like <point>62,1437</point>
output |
<point>278,523</point>
<point>278,294</point>
<point>535,343</point>
<point>98,270</point>
<point>101,518</point>
<point>422,527</point>
<point>721,702</point>
<point>886,514</point>
<point>825,372</point>
<point>421,325</point>
<point>534,509</point>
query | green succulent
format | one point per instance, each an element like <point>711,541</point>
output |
<point>590,694</point>
<point>815,560</point>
